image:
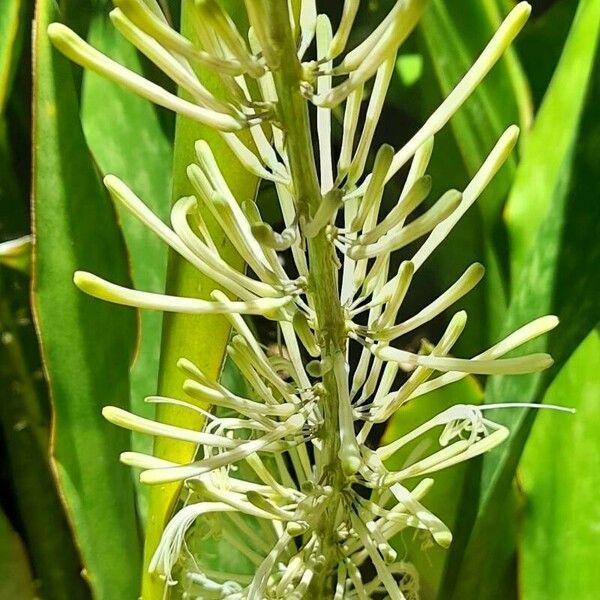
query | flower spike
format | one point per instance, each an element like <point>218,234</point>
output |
<point>284,469</point>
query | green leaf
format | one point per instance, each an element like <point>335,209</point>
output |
<point>560,277</point>
<point>11,24</point>
<point>200,338</point>
<point>24,431</point>
<point>540,44</point>
<point>560,476</point>
<point>445,496</point>
<point>112,118</point>
<point>86,344</point>
<point>15,576</point>
<point>552,135</point>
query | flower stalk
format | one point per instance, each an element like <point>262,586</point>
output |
<point>339,456</point>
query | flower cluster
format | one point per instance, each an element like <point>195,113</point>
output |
<point>265,456</point>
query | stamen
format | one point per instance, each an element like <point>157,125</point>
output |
<point>171,543</point>
<point>527,405</point>
<point>237,501</point>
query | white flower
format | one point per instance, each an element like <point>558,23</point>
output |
<point>284,419</point>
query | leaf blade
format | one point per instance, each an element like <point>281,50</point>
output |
<point>15,576</point>
<point>147,171</point>
<point>86,345</point>
<point>10,13</point>
<point>552,135</point>
<point>560,486</point>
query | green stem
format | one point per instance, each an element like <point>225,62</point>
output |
<point>292,113</point>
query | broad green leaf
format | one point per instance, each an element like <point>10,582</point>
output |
<point>15,576</point>
<point>560,277</point>
<point>126,139</point>
<point>444,499</point>
<point>553,134</point>
<point>11,13</point>
<point>200,338</point>
<point>540,44</point>
<point>86,344</point>
<point>560,476</point>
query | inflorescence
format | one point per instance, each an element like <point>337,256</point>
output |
<point>279,433</point>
